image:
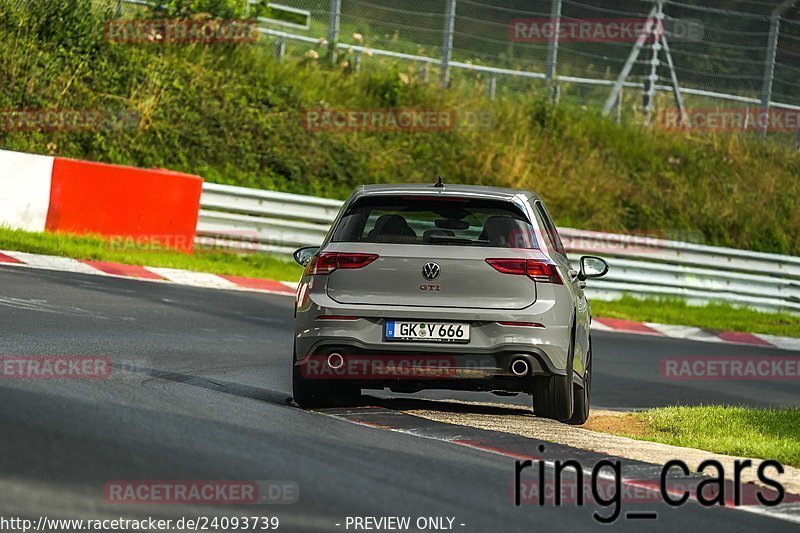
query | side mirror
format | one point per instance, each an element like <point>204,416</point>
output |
<point>592,267</point>
<point>304,255</point>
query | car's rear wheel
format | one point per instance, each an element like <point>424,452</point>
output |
<point>552,397</point>
<point>318,393</point>
<point>582,396</point>
<point>310,393</point>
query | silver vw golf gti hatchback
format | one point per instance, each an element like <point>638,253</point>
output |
<point>444,287</point>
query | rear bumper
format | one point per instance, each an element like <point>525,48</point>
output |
<point>483,364</point>
<point>412,370</point>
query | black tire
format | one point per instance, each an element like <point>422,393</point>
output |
<point>553,395</point>
<point>319,393</point>
<point>346,395</point>
<point>310,394</point>
<point>582,397</point>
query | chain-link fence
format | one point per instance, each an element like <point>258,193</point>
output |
<point>723,64</point>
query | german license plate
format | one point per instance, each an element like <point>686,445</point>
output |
<point>453,332</point>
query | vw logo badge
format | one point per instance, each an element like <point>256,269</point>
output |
<point>431,271</point>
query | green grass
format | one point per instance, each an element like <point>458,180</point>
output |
<point>121,251</point>
<point>740,431</point>
<point>231,114</point>
<point>713,316</point>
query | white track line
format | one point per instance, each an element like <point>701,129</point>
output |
<point>684,332</point>
<point>194,279</point>
<point>53,262</point>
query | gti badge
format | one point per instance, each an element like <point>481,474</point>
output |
<point>431,271</point>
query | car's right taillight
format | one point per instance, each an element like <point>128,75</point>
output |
<point>325,263</point>
<point>541,271</point>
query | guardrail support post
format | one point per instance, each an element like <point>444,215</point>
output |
<point>447,41</point>
<point>425,72</point>
<point>769,65</point>
<point>552,50</point>
<point>769,72</point>
<point>334,17</point>
<point>491,87</point>
<point>280,48</point>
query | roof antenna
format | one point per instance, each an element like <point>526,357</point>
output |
<point>440,183</point>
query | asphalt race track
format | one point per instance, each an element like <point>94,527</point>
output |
<point>204,395</point>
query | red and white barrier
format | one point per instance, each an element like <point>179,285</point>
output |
<point>25,190</point>
<point>154,207</point>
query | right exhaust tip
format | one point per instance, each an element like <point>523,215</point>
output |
<point>520,367</point>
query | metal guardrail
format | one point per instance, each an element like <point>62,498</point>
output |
<point>256,220</point>
<point>267,221</point>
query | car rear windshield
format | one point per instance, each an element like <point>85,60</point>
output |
<point>446,221</point>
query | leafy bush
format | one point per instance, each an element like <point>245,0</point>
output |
<point>225,9</point>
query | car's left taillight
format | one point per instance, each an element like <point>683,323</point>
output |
<point>327,262</point>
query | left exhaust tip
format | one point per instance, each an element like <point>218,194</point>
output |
<point>520,367</point>
<point>335,361</point>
